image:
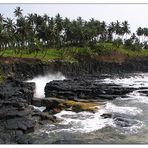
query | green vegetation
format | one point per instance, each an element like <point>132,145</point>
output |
<point>2,78</point>
<point>47,38</point>
<point>73,54</point>
<point>110,48</point>
<point>50,54</point>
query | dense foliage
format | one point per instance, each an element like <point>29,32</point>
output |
<point>34,32</point>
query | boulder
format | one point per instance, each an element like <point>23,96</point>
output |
<point>16,92</point>
<point>46,116</point>
<point>123,121</point>
<point>22,124</point>
<point>106,115</point>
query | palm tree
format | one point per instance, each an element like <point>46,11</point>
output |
<point>91,32</point>
<point>67,31</point>
<point>133,36</point>
<point>145,32</point>
<point>80,21</point>
<point>1,35</point>
<point>46,19</point>
<point>51,33</point>
<point>125,28</point>
<point>103,29</point>
<point>58,29</point>
<point>1,18</point>
<point>23,32</point>
<point>30,18</point>
<point>31,31</point>
<point>117,28</point>
<point>3,41</point>
<point>18,12</point>
<point>9,27</point>
<point>1,30</point>
<point>140,31</point>
<point>111,30</point>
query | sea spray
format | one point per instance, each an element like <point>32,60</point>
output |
<point>40,83</point>
<point>86,122</point>
<point>136,81</point>
<point>112,108</point>
<point>82,122</point>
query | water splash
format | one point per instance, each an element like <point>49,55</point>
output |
<point>134,128</point>
<point>83,122</point>
<point>111,108</point>
<point>40,83</point>
<point>136,97</point>
<point>136,81</point>
<point>86,122</point>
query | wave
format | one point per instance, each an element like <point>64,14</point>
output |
<point>83,122</point>
<point>135,97</point>
<point>86,122</point>
<point>139,80</point>
<point>112,108</point>
<point>40,83</point>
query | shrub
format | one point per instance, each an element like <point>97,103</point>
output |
<point>117,42</point>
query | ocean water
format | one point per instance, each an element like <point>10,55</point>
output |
<point>128,124</point>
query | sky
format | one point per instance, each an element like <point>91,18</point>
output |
<point>135,14</point>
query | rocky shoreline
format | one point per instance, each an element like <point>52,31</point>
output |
<point>19,117</point>
<point>24,69</point>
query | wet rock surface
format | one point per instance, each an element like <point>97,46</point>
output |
<point>106,115</point>
<point>19,120</point>
<point>17,116</point>
<point>55,105</point>
<point>84,89</point>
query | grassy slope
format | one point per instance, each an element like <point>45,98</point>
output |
<point>108,53</point>
<point>51,54</point>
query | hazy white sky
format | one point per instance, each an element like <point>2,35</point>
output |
<point>136,14</point>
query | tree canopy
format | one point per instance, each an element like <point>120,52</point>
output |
<point>34,32</point>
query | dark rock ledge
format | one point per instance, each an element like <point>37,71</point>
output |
<point>85,89</point>
<point>17,117</point>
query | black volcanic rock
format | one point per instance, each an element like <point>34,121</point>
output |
<point>106,115</point>
<point>84,89</point>
<point>23,124</point>
<point>17,116</point>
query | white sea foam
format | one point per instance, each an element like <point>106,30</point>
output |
<point>85,122</point>
<point>134,128</point>
<point>137,81</point>
<point>140,80</point>
<point>111,108</point>
<point>42,108</point>
<point>136,96</point>
<point>40,82</point>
